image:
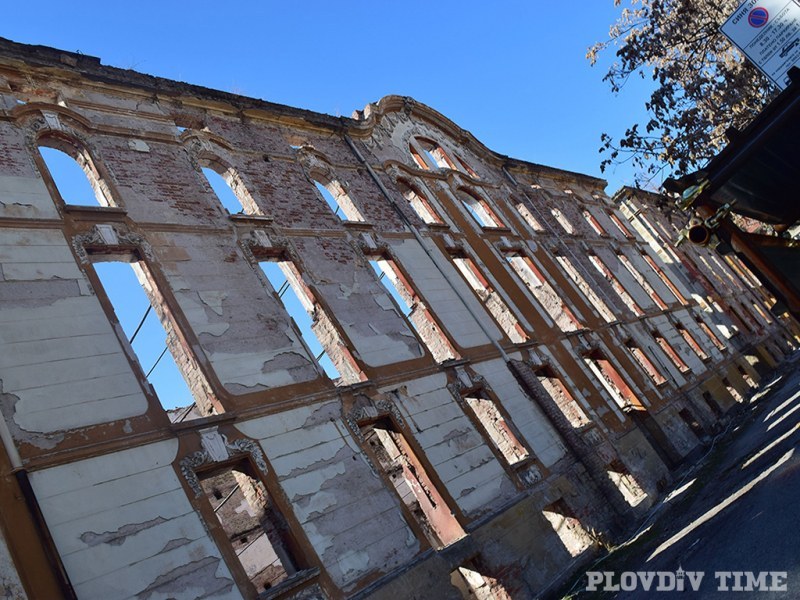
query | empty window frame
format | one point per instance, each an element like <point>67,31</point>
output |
<point>419,203</point>
<point>497,427</point>
<point>594,223</point>
<point>620,225</point>
<point>610,378</point>
<point>153,339</point>
<point>642,281</point>
<point>556,389</point>
<point>479,209</point>
<point>409,303</point>
<point>562,220</point>
<point>253,524</point>
<point>544,293</point>
<point>431,516</point>
<point>689,339</point>
<point>430,155</point>
<point>526,214</point>
<point>583,286</point>
<point>473,583</point>
<point>231,192</point>
<point>490,299</point>
<point>466,168</point>
<point>670,351</point>
<point>764,318</point>
<point>625,482</point>
<point>645,362</point>
<point>751,383</point>
<point>664,278</point>
<point>569,529</point>
<point>74,174</point>
<point>732,391</point>
<point>338,200</point>
<point>315,326</point>
<point>710,334</point>
<point>615,283</point>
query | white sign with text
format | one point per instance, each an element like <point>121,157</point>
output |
<point>768,33</point>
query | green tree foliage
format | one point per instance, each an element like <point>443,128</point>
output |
<point>703,85</point>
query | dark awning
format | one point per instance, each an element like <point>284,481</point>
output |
<point>760,167</point>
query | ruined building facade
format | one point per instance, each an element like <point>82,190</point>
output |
<point>556,359</point>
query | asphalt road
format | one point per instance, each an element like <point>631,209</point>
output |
<point>738,510</point>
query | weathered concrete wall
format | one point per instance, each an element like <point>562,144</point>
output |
<point>125,529</point>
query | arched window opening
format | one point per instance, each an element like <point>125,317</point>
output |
<point>480,210</point>
<point>430,155</point>
<point>419,203</point>
<point>229,189</point>
<point>77,180</point>
<point>339,201</point>
<point>466,168</point>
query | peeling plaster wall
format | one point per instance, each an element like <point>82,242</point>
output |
<point>124,528</point>
<point>527,417</point>
<point>455,318</point>
<point>460,457</point>
<point>241,327</point>
<point>379,335</point>
<point>62,365</point>
<point>350,517</point>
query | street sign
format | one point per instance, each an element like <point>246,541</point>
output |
<point>768,33</point>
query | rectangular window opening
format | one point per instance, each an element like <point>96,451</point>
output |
<point>497,428</point>
<point>253,524</point>
<point>645,363</point>
<point>620,225</point>
<point>689,338</point>
<point>670,351</point>
<point>616,285</point>
<point>154,339</point>
<point>431,515</point>
<point>664,278</point>
<point>409,303</point>
<point>490,299</point>
<point>610,378</point>
<point>544,293</point>
<point>529,218</point>
<point>594,223</point>
<point>472,582</point>
<point>732,391</point>
<point>567,526</point>
<point>587,290</point>
<point>642,281</point>
<point>311,321</point>
<point>562,220</point>
<point>619,474</point>
<point>710,334</point>
<point>553,385</point>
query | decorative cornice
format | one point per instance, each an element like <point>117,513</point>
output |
<point>217,448</point>
<point>105,236</point>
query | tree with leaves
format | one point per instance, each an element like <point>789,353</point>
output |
<point>703,84</point>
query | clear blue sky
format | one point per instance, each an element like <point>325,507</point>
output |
<point>514,74</point>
